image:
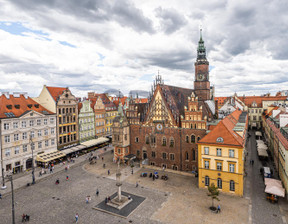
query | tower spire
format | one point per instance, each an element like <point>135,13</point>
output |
<point>201,50</point>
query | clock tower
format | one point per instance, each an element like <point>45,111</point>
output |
<point>201,83</point>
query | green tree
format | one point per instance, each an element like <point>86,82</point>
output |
<point>213,193</point>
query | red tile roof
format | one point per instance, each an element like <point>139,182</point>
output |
<point>19,105</point>
<point>277,132</point>
<point>105,99</point>
<point>55,91</point>
<point>248,100</point>
<point>224,129</point>
<point>122,99</point>
<point>221,100</point>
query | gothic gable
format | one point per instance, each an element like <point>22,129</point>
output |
<point>159,110</point>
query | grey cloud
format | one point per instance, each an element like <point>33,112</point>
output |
<point>180,59</point>
<point>171,20</point>
<point>124,12</point>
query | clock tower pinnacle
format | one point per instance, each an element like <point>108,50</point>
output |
<point>201,83</point>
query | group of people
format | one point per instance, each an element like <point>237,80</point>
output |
<point>107,199</point>
<point>88,198</point>
<point>252,162</point>
<point>25,218</point>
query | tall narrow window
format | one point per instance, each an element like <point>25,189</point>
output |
<point>232,185</point>
<point>193,154</point>
<point>192,138</point>
<point>187,156</point>
<point>207,180</point>
<point>164,141</point>
<point>219,183</point>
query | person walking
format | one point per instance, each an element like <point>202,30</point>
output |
<point>218,209</point>
<point>108,172</point>
<point>136,184</point>
<point>97,192</point>
<point>76,217</point>
<point>87,200</point>
<point>0,196</point>
<point>67,177</point>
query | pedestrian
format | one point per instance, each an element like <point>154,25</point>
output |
<point>87,200</point>
<point>97,192</point>
<point>23,218</point>
<point>132,171</point>
<point>106,200</point>
<point>109,199</point>
<point>104,165</point>
<point>218,209</point>
<point>51,171</point>
<point>136,184</point>
<point>153,177</point>
<point>68,166</point>
<point>27,218</point>
<point>0,196</point>
<point>252,162</point>
<point>76,217</point>
<point>102,158</point>
<point>67,177</point>
<point>108,172</point>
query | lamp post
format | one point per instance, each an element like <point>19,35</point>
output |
<point>10,177</point>
<point>33,168</point>
<point>3,180</point>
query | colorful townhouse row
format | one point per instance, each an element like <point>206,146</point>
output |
<point>49,124</point>
<point>275,126</point>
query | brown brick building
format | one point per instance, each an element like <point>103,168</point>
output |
<point>164,132</point>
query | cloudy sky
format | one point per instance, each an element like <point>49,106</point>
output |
<point>97,45</point>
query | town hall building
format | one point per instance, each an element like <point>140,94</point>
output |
<point>164,132</point>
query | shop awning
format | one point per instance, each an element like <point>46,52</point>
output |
<point>49,156</point>
<point>73,149</point>
<point>95,141</point>
<point>275,190</point>
<point>254,125</point>
<point>262,152</point>
<point>258,133</point>
<point>259,142</point>
<point>130,157</point>
<point>271,181</point>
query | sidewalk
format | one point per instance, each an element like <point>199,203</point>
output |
<point>22,180</point>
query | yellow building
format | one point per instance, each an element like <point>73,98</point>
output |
<point>221,154</point>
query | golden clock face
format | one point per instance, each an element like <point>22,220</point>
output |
<point>159,127</point>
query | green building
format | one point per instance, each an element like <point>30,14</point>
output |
<point>86,121</point>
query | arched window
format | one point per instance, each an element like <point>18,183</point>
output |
<point>187,139</point>
<point>186,155</point>
<point>63,110</point>
<point>219,183</point>
<point>207,180</point>
<point>192,138</point>
<point>198,139</point>
<point>193,154</point>
<point>232,185</point>
<point>147,139</point>
<point>191,126</point>
<point>195,126</point>
<point>164,141</point>
<point>171,142</point>
<point>67,111</point>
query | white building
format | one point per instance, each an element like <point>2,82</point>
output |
<point>20,118</point>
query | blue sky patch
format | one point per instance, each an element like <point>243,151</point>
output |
<point>147,77</point>
<point>67,44</point>
<point>17,28</point>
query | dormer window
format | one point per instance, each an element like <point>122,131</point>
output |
<point>36,105</point>
<point>219,139</point>
<point>17,106</point>
<point>9,106</point>
<point>29,105</point>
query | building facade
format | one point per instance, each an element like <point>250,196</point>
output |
<point>24,126</point>
<point>86,121</point>
<point>62,102</point>
<point>99,110</point>
<point>121,136</point>
<point>221,154</point>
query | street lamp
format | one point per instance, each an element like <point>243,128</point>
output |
<point>33,168</point>
<point>3,180</point>
<point>10,177</point>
